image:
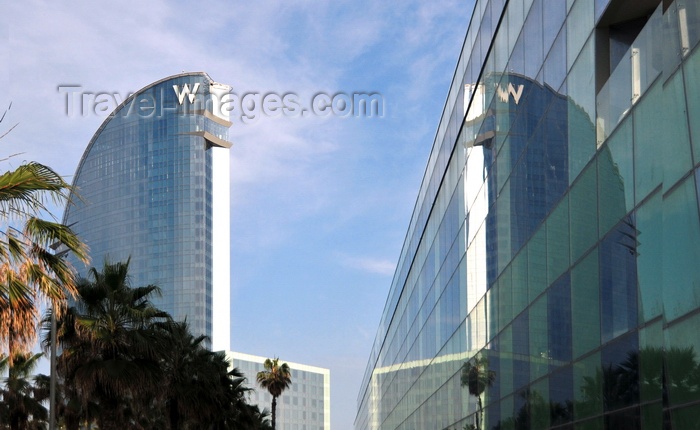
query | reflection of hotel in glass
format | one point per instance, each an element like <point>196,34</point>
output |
<point>305,405</point>
<point>153,186</point>
<point>556,233</point>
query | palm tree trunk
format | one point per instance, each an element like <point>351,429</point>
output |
<point>174,415</point>
<point>274,411</point>
<point>479,414</point>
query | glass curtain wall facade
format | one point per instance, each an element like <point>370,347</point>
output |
<point>305,405</point>
<point>153,186</point>
<point>553,246</point>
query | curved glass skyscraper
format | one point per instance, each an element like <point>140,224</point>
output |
<point>153,186</point>
<point>549,277</point>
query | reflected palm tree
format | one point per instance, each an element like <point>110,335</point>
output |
<point>476,376</point>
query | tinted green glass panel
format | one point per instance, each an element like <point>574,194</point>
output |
<point>691,70</point>
<point>539,339</point>
<point>503,163</point>
<point>519,279</point>
<point>650,257</point>
<point>681,236</point>
<point>581,20</point>
<point>505,298</point>
<point>581,109</point>
<point>588,387</point>
<point>686,418</point>
<point>558,241</point>
<point>539,404</point>
<point>584,212</point>
<point>537,263</point>
<point>585,305</point>
<point>504,374</point>
<point>615,177</point>
<point>681,356</point>
<point>493,310</point>
<point>651,344</point>
<point>507,420</point>
<point>674,129</point>
<point>647,135</point>
<point>594,424</point>
<point>652,416</point>
<point>503,216</point>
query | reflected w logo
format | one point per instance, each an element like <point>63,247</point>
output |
<point>505,93</point>
<point>186,92</point>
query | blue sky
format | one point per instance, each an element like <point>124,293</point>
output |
<point>319,206</point>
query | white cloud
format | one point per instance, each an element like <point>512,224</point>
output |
<point>371,265</point>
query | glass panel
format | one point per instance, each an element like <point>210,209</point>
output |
<point>539,405</point>
<point>637,69</point>
<point>505,298</point>
<point>651,356</point>
<point>493,309</point>
<point>585,305</point>
<point>681,253</point>
<point>581,110</point>
<point>691,69</point>
<point>615,177</point>
<point>618,280</point>
<point>652,416</point>
<point>672,43</point>
<point>561,396</point>
<point>553,15</point>
<point>515,18</point>
<point>532,31</point>
<point>507,418</point>
<point>649,258</point>
<point>581,20</point>
<point>584,212</point>
<point>628,419</point>
<point>503,220</point>
<point>594,424</point>
<point>681,355</point>
<point>521,350</point>
<point>556,167</point>
<point>558,241</point>
<point>685,418</point>
<point>537,264</point>
<point>519,274</point>
<point>588,387</point>
<point>600,6</point>
<point>555,64</point>
<point>688,24</point>
<point>674,129</point>
<point>559,321</point>
<point>539,340</point>
<point>647,135</point>
<point>620,373</point>
<point>504,375</point>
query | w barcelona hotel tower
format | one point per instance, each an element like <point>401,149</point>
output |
<point>550,276</point>
<point>153,187</point>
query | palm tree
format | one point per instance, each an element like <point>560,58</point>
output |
<point>111,351</point>
<point>275,379</point>
<point>22,398</point>
<point>195,386</point>
<point>476,377</point>
<point>29,269</point>
<point>199,390</point>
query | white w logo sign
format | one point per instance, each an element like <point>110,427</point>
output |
<point>186,92</point>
